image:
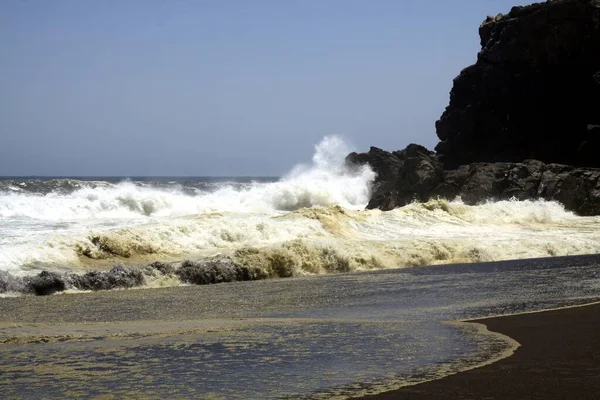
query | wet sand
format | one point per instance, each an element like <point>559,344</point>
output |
<point>559,358</point>
<point>334,335</point>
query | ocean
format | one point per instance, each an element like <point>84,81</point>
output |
<point>363,306</point>
<point>312,221</point>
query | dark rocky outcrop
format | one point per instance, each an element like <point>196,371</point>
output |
<point>416,174</point>
<point>534,92</point>
<point>402,176</point>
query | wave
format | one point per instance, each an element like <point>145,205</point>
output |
<point>45,186</point>
<point>156,274</point>
<point>311,221</point>
<point>325,182</point>
<point>330,239</point>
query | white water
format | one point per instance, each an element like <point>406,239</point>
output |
<point>309,218</point>
<point>323,183</point>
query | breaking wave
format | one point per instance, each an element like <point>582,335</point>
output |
<point>311,221</point>
<point>325,182</point>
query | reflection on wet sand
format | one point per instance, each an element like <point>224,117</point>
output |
<point>323,337</point>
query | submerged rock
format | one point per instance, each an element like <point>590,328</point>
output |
<point>47,283</point>
<point>534,92</point>
<point>216,270</point>
<point>163,268</point>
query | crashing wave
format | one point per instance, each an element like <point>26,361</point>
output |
<point>216,270</point>
<point>311,221</point>
<point>325,182</point>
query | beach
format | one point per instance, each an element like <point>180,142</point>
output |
<point>558,359</point>
<point>323,337</point>
<point>171,287</point>
<point>297,200</point>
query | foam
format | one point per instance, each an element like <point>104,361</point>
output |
<point>325,182</point>
<point>310,222</point>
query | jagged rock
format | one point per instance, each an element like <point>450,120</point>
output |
<point>534,92</point>
<point>402,176</point>
<point>416,174</point>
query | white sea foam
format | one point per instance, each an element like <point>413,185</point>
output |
<point>311,221</point>
<point>325,182</point>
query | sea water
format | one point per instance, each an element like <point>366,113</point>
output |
<point>316,337</point>
<point>389,319</point>
<point>311,217</point>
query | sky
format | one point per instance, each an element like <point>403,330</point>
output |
<point>223,87</point>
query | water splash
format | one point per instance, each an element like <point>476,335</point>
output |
<point>325,182</point>
<point>311,221</point>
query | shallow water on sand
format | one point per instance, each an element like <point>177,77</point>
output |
<point>316,337</point>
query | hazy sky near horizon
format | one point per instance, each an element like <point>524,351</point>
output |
<point>145,87</point>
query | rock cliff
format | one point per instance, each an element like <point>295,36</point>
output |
<point>534,92</point>
<point>522,122</point>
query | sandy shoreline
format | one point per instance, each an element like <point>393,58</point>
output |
<point>348,328</point>
<point>558,359</point>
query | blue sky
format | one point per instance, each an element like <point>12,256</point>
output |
<point>125,87</point>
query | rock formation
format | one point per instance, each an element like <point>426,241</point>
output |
<point>530,104</point>
<point>416,174</point>
<point>534,92</point>
<point>402,176</point>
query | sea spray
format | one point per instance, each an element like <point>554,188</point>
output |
<point>310,222</point>
<point>296,242</point>
<point>325,182</point>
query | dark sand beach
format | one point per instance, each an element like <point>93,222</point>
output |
<point>558,359</point>
<point>332,336</point>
